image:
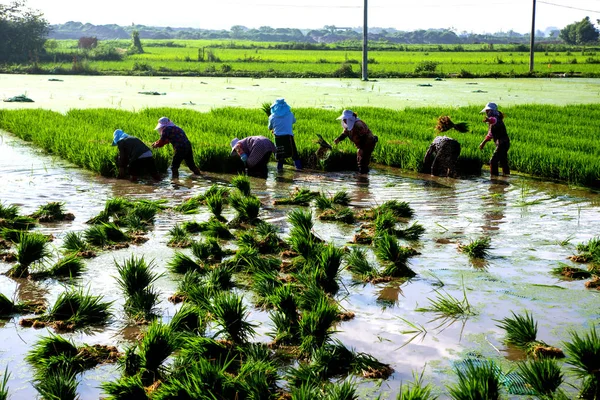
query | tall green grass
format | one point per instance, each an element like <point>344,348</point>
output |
<point>553,142</point>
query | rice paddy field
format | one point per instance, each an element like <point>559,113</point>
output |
<point>243,58</point>
<point>314,284</point>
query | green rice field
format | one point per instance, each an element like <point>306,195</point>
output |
<point>550,142</point>
<point>243,58</point>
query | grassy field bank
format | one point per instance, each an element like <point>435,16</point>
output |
<point>547,141</point>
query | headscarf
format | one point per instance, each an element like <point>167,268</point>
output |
<point>118,135</point>
<point>280,108</point>
<point>348,119</point>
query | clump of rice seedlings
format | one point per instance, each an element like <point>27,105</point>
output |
<point>125,388</point>
<point>145,212</point>
<point>341,198</point>
<point>264,284</point>
<point>258,378</point>
<point>316,326</point>
<point>444,123</point>
<point>416,390</point>
<point>20,222</point>
<point>208,250</point>
<point>449,306</point>
<point>343,214</point>
<point>215,229</point>
<point>53,211</point>
<point>571,272</point>
<point>8,307</point>
<point>189,206</point>
<point>230,315</point>
<point>302,239</point>
<point>4,384</point>
<point>411,233</point>
<point>189,318</point>
<point>542,375</point>
<point>69,266</point>
<point>325,268</point>
<point>521,331</point>
<point>74,243</point>
<point>358,264</point>
<point>191,280</point>
<point>322,202</point>
<point>242,183</point>
<point>158,343</point>
<point>385,222</point>
<point>136,279</point>
<point>477,248</point>
<point>219,278</point>
<point>50,349</point>
<point>215,205</point>
<point>588,252</point>
<point>57,384</point>
<point>584,358</point>
<point>75,309</point>
<point>114,234</point>
<point>32,247</point>
<point>96,236</point>
<point>178,237</point>
<point>248,259</point>
<point>399,209</point>
<point>299,197</point>
<point>476,380</point>
<point>192,227</point>
<point>286,318</point>
<point>246,207</point>
<point>9,212</point>
<point>182,263</point>
<point>394,256</point>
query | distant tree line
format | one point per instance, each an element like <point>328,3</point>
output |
<point>23,32</point>
<point>329,34</point>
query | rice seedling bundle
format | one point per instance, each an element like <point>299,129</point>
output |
<point>77,308</point>
<point>208,250</point>
<point>477,248</point>
<point>53,211</point>
<point>449,306</point>
<point>542,375</point>
<point>344,214</point>
<point>476,380</point>
<point>583,355</point>
<point>394,256</point>
<point>242,183</point>
<point>247,207</point>
<point>182,263</point>
<point>358,264</point>
<point>136,279</point>
<point>521,330</point>
<point>316,326</point>
<point>157,344</point>
<point>230,315</point>
<point>179,237</point>
<point>299,197</point>
<point>68,266</point>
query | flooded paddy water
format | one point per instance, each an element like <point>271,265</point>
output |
<point>534,226</point>
<point>526,220</point>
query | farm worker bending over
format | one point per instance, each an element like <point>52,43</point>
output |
<point>134,157</point>
<point>442,156</point>
<point>171,133</point>
<point>362,137</point>
<point>280,123</point>
<point>255,152</point>
<point>497,133</point>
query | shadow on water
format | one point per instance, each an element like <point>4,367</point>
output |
<point>524,227</point>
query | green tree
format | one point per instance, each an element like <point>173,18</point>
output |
<point>582,32</point>
<point>23,32</point>
<point>136,43</point>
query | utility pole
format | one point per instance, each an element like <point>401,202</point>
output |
<point>532,39</point>
<point>365,76</point>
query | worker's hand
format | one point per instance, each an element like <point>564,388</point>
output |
<point>154,145</point>
<point>244,158</point>
<point>481,145</point>
<point>336,141</point>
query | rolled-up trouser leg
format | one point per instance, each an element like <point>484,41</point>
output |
<point>363,158</point>
<point>500,156</point>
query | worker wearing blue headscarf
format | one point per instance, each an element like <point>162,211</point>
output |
<point>281,121</point>
<point>134,158</point>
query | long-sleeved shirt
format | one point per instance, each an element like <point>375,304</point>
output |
<point>360,135</point>
<point>130,149</point>
<point>282,125</point>
<point>174,135</point>
<point>496,130</point>
<point>255,147</point>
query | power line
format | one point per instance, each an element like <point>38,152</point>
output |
<point>574,8</point>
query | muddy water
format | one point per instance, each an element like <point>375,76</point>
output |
<point>525,219</point>
<point>204,93</point>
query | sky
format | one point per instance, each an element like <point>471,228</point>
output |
<point>473,16</point>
